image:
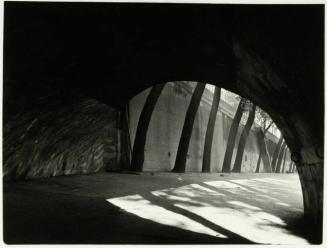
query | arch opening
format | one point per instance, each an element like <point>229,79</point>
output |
<point>271,55</point>
<point>162,139</point>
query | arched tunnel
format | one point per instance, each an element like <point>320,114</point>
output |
<point>271,54</point>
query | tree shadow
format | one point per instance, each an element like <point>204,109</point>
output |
<point>297,225</point>
<point>232,238</point>
<point>64,219</point>
<point>66,216</point>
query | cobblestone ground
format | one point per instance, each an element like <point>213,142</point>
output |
<point>156,208</point>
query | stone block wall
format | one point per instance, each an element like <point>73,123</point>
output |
<point>311,178</point>
<point>60,133</point>
<point>166,126</point>
<point>64,133</point>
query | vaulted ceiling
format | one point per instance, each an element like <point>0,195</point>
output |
<point>274,55</point>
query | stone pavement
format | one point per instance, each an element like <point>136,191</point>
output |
<point>156,208</point>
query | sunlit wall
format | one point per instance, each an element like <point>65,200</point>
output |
<point>167,122</point>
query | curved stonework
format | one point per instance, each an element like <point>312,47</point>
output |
<point>270,54</point>
<point>263,86</point>
<point>65,133</point>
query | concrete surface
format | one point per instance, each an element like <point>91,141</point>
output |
<point>159,208</point>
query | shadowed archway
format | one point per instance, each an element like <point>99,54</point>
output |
<point>272,55</point>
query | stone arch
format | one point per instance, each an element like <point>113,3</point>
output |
<point>272,55</point>
<point>299,138</point>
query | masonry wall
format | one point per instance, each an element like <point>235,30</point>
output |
<point>166,126</point>
<point>60,133</point>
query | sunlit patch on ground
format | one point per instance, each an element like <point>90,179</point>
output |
<point>136,204</point>
<point>246,207</point>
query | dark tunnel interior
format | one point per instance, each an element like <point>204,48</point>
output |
<point>271,54</point>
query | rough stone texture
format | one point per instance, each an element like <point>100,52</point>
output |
<point>272,55</point>
<point>297,126</point>
<point>64,133</point>
<point>166,126</point>
<point>311,177</point>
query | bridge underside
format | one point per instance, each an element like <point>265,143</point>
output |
<point>272,55</point>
